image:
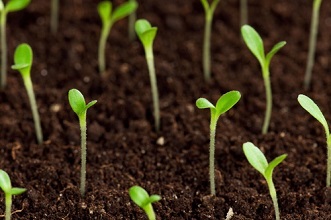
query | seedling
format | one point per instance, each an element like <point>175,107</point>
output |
<point>310,106</point>
<point>77,103</point>
<point>54,15</point>
<point>23,57</point>
<point>312,42</point>
<point>5,185</point>
<point>108,18</point>
<point>146,34</point>
<point>243,12</point>
<point>209,13</point>
<point>257,159</point>
<point>139,196</point>
<point>132,21</point>
<point>224,103</point>
<point>255,44</point>
<point>11,6</point>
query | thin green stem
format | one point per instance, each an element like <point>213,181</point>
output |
<point>243,12</point>
<point>54,15</point>
<point>213,122</point>
<point>3,50</point>
<point>273,195</point>
<point>155,94</point>
<point>8,198</point>
<point>102,48</point>
<point>312,43</point>
<point>149,211</point>
<point>268,92</point>
<point>33,103</point>
<point>132,20</point>
<point>328,168</point>
<point>82,123</point>
<point>206,47</point>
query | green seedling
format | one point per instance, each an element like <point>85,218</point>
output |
<point>139,196</point>
<point>108,19</point>
<point>77,103</point>
<point>209,13</point>
<point>5,185</point>
<point>310,106</point>
<point>255,44</point>
<point>243,12</point>
<point>54,15</point>
<point>11,6</point>
<point>132,21</point>
<point>23,57</point>
<point>257,159</point>
<point>146,34</point>
<point>312,42</point>
<point>224,103</point>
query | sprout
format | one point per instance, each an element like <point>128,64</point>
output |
<point>108,18</point>
<point>23,61</point>
<point>257,159</point>
<point>132,21</point>
<point>209,13</point>
<point>11,6</point>
<point>146,34</point>
<point>224,103</point>
<point>5,185</point>
<point>139,196</point>
<point>77,103</point>
<point>310,106</point>
<point>54,15</point>
<point>255,44</point>
<point>312,42</point>
<point>243,12</point>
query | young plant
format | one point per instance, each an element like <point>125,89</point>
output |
<point>209,13</point>
<point>257,159</point>
<point>224,103</point>
<point>312,42</point>
<point>132,21</point>
<point>255,44</point>
<point>108,18</point>
<point>23,57</point>
<point>77,103</point>
<point>5,185</point>
<point>146,34</point>
<point>11,6</point>
<point>139,196</point>
<point>310,106</point>
<point>54,15</point>
<point>243,12</point>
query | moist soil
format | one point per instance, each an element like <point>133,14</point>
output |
<point>123,147</point>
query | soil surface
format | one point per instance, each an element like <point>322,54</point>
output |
<point>123,148</point>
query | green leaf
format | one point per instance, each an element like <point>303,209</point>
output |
<point>16,5</point>
<point>227,101</point>
<point>254,42</point>
<point>104,10</point>
<point>17,191</point>
<point>154,198</point>
<point>272,165</point>
<point>310,106</point>
<point>5,183</point>
<point>77,101</point>
<point>274,50</point>
<point>139,196</point>
<point>23,58</point>
<point>145,32</point>
<point>255,157</point>
<point>203,103</point>
<point>124,10</point>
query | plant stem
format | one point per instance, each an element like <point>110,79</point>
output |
<point>132,20</point>
<point>33,103</point>
<point>102,48</point>
<point>213,122</point>
<point>54,15</point>
<point>243,12</point>
<point>3,49</point>
<point>8,198</point>
<point>312,43</point>
<point>273,195</point>
<point>155,94</point>
<point>149,211</point>
<point>82,123</point>
<point>328,168</point>
<point>266,79</point>
<point>206,47</point>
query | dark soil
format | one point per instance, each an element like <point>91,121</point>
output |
<point>123,148</point>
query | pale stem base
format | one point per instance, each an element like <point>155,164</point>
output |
<point>54,16</point>
<point>82,123</point>
<point>243,12</point>
<point>3,50</point>
<point>328,169</point>
<point>102,50</point>
<point>150,212</point>
<point>212,156</point>
<point>273,195</point>
<point>8,198</point>
<point>131,31</point>
<point>268,93</point>
<point>206,49</point>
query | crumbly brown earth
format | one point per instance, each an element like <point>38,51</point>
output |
<point>124,149</point>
